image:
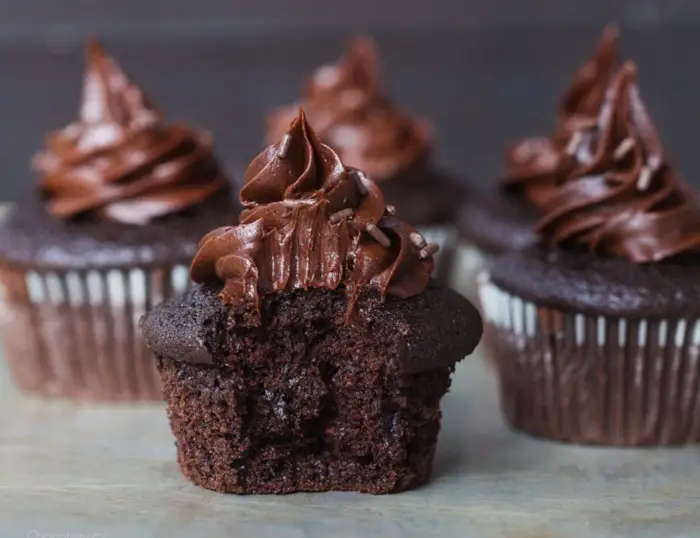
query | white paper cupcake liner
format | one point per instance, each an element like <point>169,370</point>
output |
<point>594,379</point>
<point>469,262</point>
<point>75,334</point>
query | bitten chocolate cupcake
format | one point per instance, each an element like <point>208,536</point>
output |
<point>351,111</point>
<point>315,351</point>
<point>598,328</point>
<point>502,219</point>
<point>123,199</point>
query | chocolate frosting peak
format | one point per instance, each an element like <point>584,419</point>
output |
<point>585,96</point>
<point>121,161</point>
<point>311,222</point>
<point>350,110</point>
<point>536,165</point>
<point>622,197</point>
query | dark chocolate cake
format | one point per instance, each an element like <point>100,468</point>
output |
<point>498,223</point>
<point>597,329</point>
<point>308,402</point>
<point>30,236</point>
<point>124,196</point>
<point>315,351</point>
<point>575,280</point>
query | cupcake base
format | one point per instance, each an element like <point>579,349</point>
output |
<point>226,444</point>
<point>308,400</point>
<point>594,379</point>
<point>72,292</point>
<point>74,334</point>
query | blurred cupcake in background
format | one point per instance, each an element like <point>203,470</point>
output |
<point>123,199</point>
<point>349,108</point>
<point>502,218</point>
<point>597,329</point>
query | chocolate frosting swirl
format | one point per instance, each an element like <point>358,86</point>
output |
<point>121,161</point>
<point>310,222</point>
<point>536,165</point>
<point>622,197</point>
<point>350,111</point>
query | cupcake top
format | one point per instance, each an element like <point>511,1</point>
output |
<point>350,111</point>
<point>535,164</point>
<point>625,227</point>
<point>310,222</point>
<point>623,198</point>
<point>121,161</point>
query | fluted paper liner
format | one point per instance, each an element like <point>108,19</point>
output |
<point>74,334</point>
<point>594,379</point>
<point>469,262</point>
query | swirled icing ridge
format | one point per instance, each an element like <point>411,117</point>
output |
<point>121,161</point>
<point>536,165</point>
<point>623,198</point>
<point>311,222</point>
<point>349,109</point>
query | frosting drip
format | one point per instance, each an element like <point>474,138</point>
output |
<point>121,161</point>
<point>536,165</point>
<point>310,222</point>
<point>349,110</point>
<point>623,198</point>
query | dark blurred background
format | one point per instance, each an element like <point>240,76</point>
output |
<point>484,71</point>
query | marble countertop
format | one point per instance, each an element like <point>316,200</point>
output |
<point>110,472</point>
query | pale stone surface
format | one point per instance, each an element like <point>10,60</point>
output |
<point>109,472</point>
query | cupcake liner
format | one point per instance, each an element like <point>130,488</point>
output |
<point>446,238</point>
<point>75,333</point>
<point>595,379</point>
<point>469,262</point>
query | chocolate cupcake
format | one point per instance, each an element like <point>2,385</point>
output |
<point>315,351</point>
<point>351,111</point>
<point>502,219</point>
<point>598,327</point>
<point>123,199</point>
